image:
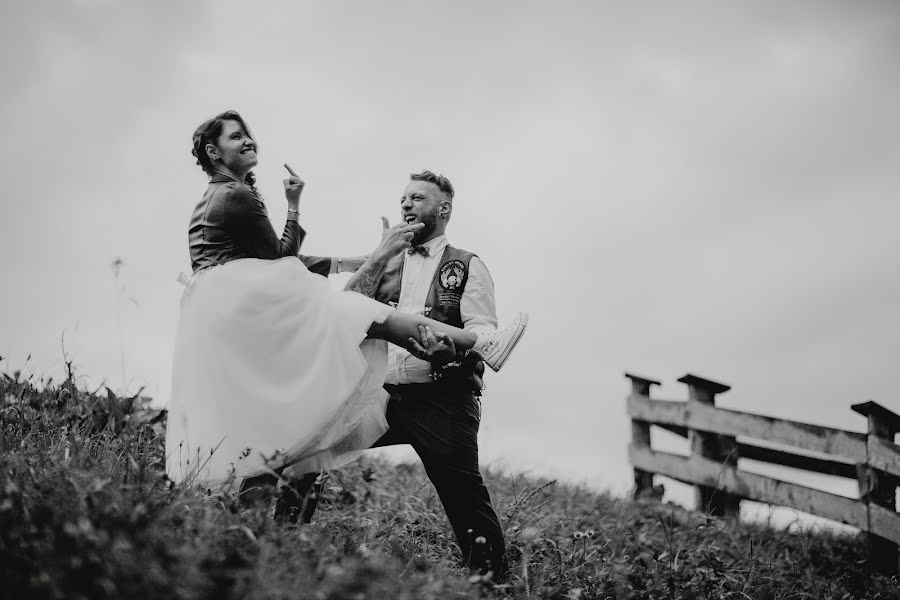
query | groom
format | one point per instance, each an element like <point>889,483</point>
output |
<point>434,403</point>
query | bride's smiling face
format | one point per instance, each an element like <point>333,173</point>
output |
<point>234,148</point>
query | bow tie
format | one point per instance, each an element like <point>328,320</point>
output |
<point>423,250</point>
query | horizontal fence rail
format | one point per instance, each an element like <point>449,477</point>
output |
<point>701,417</point>
<point>751,486</point>
<point>872,459</point>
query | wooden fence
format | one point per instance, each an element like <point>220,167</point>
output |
<point>719,437</point>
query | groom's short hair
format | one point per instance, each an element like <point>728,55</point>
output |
<point>440,181</point>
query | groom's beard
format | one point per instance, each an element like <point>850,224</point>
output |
<point>430,221</point>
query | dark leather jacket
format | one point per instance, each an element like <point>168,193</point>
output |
<point>231,222</point>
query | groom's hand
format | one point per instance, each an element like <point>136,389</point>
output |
<point>436,348</point>
<point>396,239</point>
<point>465,372</point>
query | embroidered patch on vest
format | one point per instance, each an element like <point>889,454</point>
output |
<point>449,299</point>
<point>452,273</point>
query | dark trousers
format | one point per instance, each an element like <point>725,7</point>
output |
<point>441,423</point>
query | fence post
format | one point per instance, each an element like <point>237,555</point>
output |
<point>720,448</point>
<point>878,487</point>
<point>640,433</point>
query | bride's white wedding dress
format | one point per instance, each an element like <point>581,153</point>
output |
<point>272,368</point>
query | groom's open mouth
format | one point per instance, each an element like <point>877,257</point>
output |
<point>410,219</point>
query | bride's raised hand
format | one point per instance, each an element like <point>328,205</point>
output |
<point>293,186</point>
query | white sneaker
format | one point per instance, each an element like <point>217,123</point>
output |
<point>496,346</point>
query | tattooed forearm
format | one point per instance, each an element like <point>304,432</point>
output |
<point>365,280</point>
<point>364,283</point>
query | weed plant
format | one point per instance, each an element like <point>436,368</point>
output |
<point>86,512</point>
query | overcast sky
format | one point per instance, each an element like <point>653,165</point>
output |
<point>699,187</point>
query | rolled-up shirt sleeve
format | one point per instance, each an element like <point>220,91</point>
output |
<point>247,220</point>
<point>477,307</point>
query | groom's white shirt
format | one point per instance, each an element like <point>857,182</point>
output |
<point>476,306</point>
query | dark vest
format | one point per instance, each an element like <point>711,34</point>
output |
<point>447,285</point>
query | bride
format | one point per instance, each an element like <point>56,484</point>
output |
<point>272,367</point>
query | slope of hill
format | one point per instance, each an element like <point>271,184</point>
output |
<point>86,512</point>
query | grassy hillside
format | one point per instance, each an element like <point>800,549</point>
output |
<point>86,512</point>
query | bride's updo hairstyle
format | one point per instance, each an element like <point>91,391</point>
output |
<point>208,132</point>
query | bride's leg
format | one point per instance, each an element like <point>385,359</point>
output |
<point>494,347</point>
<point>399,327</point>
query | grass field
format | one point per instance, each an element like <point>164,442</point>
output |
<point>86,512</point>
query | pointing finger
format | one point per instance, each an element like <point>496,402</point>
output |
<point>291,171</point>
<point>385,225</point>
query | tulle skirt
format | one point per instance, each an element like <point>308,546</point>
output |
<point>272,369</point>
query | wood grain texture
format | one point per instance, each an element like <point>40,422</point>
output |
<point>750,486</point>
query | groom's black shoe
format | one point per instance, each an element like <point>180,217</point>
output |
<point>298,499</point>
